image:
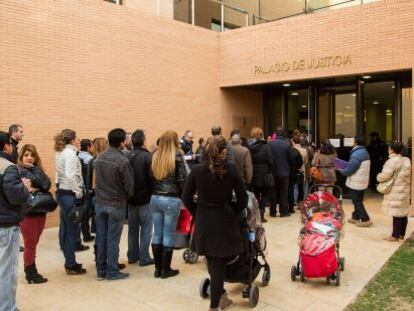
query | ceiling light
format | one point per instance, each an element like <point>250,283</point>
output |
<point>286,84</point>
<point>354,95</point>
<point>366,77</point>
<point>304,106</point>
<point>393,86</point>
<point>389,114</point>
<point>375,103</point>
<point>295,94</point>
<point>348,107</point>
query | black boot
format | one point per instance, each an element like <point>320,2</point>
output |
<point>157,253</point>
<point>32,276</point>
<point>166,264</point>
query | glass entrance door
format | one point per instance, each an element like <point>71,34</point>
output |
<point>298,116</point>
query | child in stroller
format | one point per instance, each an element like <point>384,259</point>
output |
<point>323,219</point>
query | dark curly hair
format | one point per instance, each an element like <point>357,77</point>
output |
<point>214,156</point>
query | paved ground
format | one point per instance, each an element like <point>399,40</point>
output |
<point>364,250</point>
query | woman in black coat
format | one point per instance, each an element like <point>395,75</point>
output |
<point>262,159</point>
<point>217,229</point>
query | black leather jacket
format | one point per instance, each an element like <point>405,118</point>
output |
<point>13,194</point>
<point>172,185</point>
<point>39,181</point>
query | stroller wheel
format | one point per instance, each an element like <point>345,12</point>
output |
<point>293,273</point>
<point>266,276</point>
<point>190,257</point>
<point>302,276</point>
<point>204,288</point>
<point>338,277</point>
<point>328,280</point>
<point>342,263</point>
<point>253,296</point>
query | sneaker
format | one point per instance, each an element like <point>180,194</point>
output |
<point>75,270</point>
<point>81,248</point>
<point>391,239</point>
<point>353,221</point>
<point>131,262</point>
<point>225,302</point>
<point>364,224</point>
<point>148,263</point>
<point>284,215</point>
<point>402,238</point>
<point>118,276</point>
<point>101,277</point>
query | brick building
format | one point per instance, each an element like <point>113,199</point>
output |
<point>92,65</point>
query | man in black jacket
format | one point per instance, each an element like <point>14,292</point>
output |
<point>16,135</point>
<point>114,187</point>
<point>283,158</point>
<point>14,192</point>
<point>140,221</point>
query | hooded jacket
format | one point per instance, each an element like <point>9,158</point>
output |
<point>357,172</point>
<point>13,193</point>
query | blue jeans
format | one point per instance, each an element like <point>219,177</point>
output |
<point>68,230</point>
<point>165,212</point>
<point>140,225</point>
<point>109,223</point>
<point>9,267</point>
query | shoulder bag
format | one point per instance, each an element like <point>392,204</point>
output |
<point>386,186</point>
<point>315,171</point>
<point>40,202</point>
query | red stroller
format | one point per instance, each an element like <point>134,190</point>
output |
<point>323,219</point>
<point>184,236</point>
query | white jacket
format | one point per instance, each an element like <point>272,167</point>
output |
<point>396,203</point>
<point>69,170</point>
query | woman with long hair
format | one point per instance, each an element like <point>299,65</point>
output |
<point>396,202</point>
<point>169,173</point>
<point>217,229</point>
<point>69,192</point>
<point>30,167</point>
<point>324,159</point>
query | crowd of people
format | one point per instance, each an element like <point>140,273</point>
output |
<point>102,182</point>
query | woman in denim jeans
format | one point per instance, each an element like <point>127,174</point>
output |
<point>169,171</point>
<point>69,192</point>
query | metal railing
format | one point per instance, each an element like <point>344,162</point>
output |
<point>256,18</point>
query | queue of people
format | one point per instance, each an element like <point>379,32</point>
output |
<point>106,180</point>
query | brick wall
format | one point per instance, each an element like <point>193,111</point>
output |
<point>378,36</point>
<point>91,66</point>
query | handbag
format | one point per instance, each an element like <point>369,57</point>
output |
<point>315,171</point>
<point>269,180</point>
<point>386,186</point>
<point>40,202</point>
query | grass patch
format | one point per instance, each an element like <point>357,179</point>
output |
<point>393,287</point>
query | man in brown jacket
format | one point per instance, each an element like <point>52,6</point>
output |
<point>242,159</point>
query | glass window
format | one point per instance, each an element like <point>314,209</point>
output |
<point>298,111</point>
<point>345,120</point>
<point>379,109</point>
<point>407,114</point>
<point>273,101</point>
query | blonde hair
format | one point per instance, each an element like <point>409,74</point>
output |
<point>256,132</point>
<point>163,160</point>
<point>63,138</point>
<point>100,145</point>
<point>32,149</point>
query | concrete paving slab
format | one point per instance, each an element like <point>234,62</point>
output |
<point>363,248</point>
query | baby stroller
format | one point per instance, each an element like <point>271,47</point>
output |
<point>245,268</point>
<point>323,219</point>
<point>184,236</point>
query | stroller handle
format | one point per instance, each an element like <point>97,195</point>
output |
<point>317,186</point>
